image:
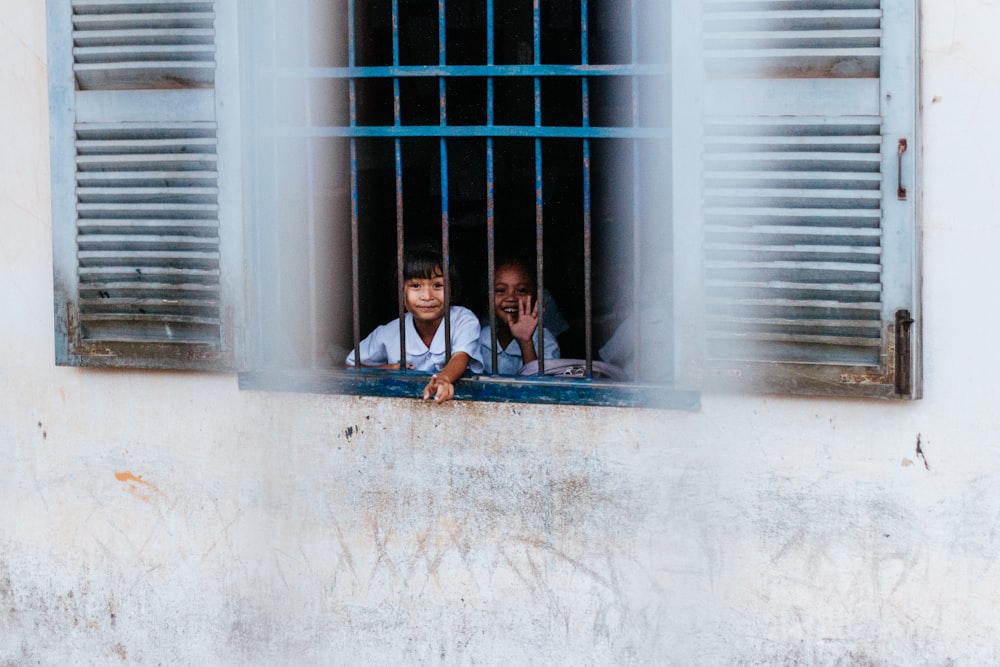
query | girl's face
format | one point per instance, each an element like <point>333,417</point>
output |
<point>425,297</point>
<point>511,286</point>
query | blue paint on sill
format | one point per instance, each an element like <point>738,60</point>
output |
<point>546,390</point>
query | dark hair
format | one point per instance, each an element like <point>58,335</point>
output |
<point>520,262</point>
<point>424,261</point>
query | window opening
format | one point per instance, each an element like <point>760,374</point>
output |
<point>510,170</point>
<point>493,127</point>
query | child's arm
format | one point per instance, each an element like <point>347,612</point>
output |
<point>385,367</point>
<point>442,384</point>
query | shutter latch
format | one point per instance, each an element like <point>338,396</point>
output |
<point>904,378</point>
<point>900,188</point>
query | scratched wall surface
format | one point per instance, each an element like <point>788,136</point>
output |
<point>171,519</point>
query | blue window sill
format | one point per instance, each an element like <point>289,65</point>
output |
<point>545,390</point>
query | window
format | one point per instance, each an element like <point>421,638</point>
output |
<point>754,195</point>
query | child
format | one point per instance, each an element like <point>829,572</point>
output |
<point>423,291</point>
<point>517,321</point>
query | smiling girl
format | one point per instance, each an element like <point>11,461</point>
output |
<point>517,321</point>
<point>423,293</point>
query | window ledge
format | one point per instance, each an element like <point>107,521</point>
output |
<point>546,390</point>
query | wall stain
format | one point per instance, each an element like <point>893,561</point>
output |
<point>134,484</point>
<point>920,454</point>
<point>119,650</point>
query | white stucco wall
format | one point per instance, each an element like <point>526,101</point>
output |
<point>171,519</point>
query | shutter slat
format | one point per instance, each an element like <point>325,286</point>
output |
<point>125,22</point>
<point>858,197</point>
<point>201,308</point>
<point>83,7</point>
<point>150,275</point>
<point>190,227</point>
<point>125,211</point>
<point>90,41</point>
<point>795,265</point>
<point>873,142</point>
<point>842,289</point>
<point>790,232</point>
<point>137,317</point>
<point>152,243</point>
<point>148,290</point>
<point>163,195</point>
<point>792,304</point>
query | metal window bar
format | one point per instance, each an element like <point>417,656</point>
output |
<point>490,192</point>
<point>588,319</point>
<point>398,161</point>
<point>355,245</point>
<point>584,71</point>
<point>443,121</point>
<point>310,175</point>
<point>536,37</point>
<point>636,212</point>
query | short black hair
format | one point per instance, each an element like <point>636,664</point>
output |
<point>521,262</point>
<point>424,261</point>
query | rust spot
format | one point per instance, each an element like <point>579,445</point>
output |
<point>862,378</point>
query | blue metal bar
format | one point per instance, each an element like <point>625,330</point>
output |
<point>426,71</point>
<point>355,247</point>
<point>588,315</point>
<point>443,120</point>
<point>310,176</point>
<point>491,249</point>
<point>490,192</point>
<point>539,202</point>
<point>525,131</point>
<point>398,160</point>
<point>636,211</point>
<point>445,248</point>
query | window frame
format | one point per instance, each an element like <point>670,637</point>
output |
<point>240,346</point>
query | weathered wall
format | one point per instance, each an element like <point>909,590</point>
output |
<point>173,519</point>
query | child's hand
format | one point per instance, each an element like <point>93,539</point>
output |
<point>440,388</point>
<point>523,324</point>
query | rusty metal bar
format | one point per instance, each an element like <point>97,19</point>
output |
<point>636,210</point>
<point>355,248</point>
<point>311,222</point>
<point>443,121</point>
<point>539,203</point>
<point>588,314</point>
<point>398,159</point>
<point>490,191</point>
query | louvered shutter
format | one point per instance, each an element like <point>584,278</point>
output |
<point>790,189</point>
<point>136,188</point>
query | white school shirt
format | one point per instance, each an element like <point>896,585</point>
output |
<point>382,345</point>
<point>509,359</point>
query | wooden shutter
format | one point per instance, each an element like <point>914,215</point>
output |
<point>136,187</point>
<point>804,279</point>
